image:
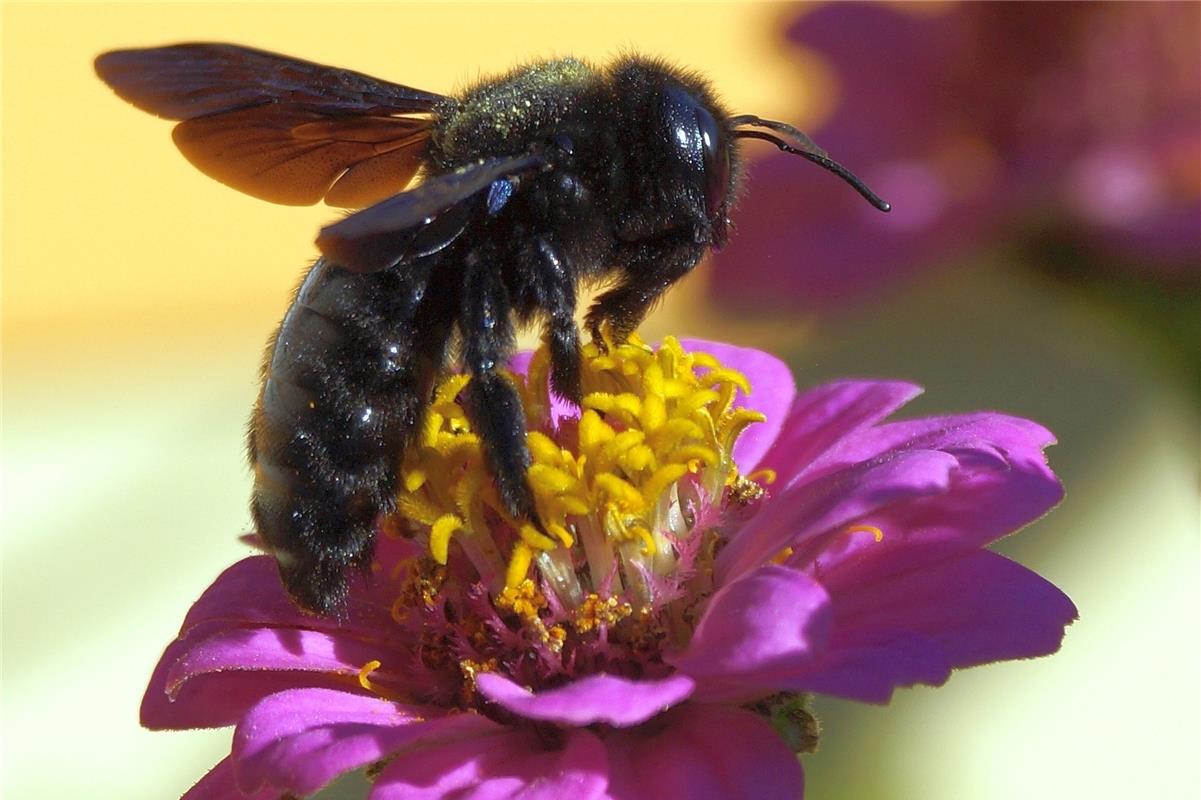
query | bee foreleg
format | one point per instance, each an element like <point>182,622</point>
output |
<point>651,268</point>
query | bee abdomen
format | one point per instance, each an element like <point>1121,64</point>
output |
<point>325,437</point>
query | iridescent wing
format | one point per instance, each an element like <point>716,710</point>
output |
<point>425,218</point>
<point>278,128</point>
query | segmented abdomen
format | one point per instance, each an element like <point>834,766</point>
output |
<point>341,391</point>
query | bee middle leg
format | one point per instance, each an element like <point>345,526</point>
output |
<point>493,402</point>
<point>555,287</point>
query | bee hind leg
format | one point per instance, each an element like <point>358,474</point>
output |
<point>493,402</point>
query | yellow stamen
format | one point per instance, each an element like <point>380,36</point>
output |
<point>876,533</point>
<point>440,533</point>
<point>767,476</point>
<point>561,533</point>
<point>365,682</point>
<point>551,480</point>
<point>695,453</point>
<point>595,612</point>
<point>649,547</point>
<point>470,670</point>
<point>536,539</point>
<point>542,447</point>
<point>724,375</point>
<point>621,493</point>
<point>663,477</point>
<point>519,564</point>
<point>612,492</point>
<point>524,600</point>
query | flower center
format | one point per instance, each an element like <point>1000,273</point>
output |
<point>631,493</point>
<point>616,491</point>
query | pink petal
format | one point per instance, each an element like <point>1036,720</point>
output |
<point>269,649</point>
<point>506,766</point>
<point>215,699</point>
<point>300,740</point>
<point>822,417</point>
<point>772,392</point>
<point>158,711</point>
<point>773,622</point>
<point>703,752</point>
<point>519,363</point>
<point>249,592</point>
<point>598,698</point>
<point>560,409</point>
<point>219,784</point>
<point>210,679</point>
<point>986,436</point>
<point>914,627</point>
<point>1002,483</point>
<point>829,503</point>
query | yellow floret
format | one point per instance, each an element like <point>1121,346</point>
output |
<point>650,419</point>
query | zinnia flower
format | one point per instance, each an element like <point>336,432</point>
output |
<point>700,568</point>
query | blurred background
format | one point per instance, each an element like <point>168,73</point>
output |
<point>1043,258</point>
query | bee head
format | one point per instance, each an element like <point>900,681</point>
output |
<point>692,155</point>
<point>704,139</point>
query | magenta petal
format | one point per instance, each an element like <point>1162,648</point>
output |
<point>272,649</point>
<point>831,502</point>
<point>773,622</point>
<point>772,392</point>
<point>984,437</point>
<point>158,710</point>
<point>821,417</point>
<point>703,752</point>
<point>214,699</point>
<point>219,783</point>
<point>505,766</point>
<point>560,409</point>
<point>209,680</point>
<point>519,363</point>
<point>250,592</point>
<point>300,740</point>
<point>916,626</point>
<point>598,698</point>
<point>1002,483</point>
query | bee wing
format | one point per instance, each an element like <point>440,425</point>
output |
<point>278,128</point>
<point>418,221</point>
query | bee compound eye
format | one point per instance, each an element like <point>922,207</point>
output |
<point>716,159</point>
<point>697,137</point>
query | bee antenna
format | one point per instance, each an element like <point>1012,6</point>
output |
<point>808,150</point>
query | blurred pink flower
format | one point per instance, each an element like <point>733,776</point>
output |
<point>979,122</point>
<point>666,647</point>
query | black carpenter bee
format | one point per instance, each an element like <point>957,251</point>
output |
<point>555,174</point>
